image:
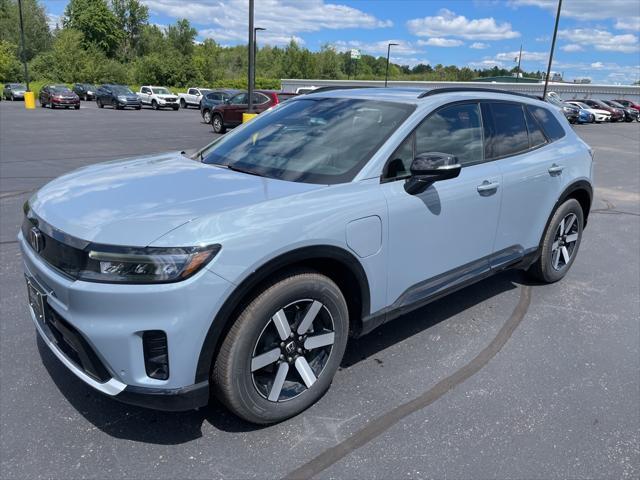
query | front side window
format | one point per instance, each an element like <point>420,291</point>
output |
<point>317,140</point>
<point>455,130</point>
<point>193,91</point>
<point>240,99</point>
<point>505,130</point>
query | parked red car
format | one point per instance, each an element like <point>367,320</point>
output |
<point>628,104</point>
<point>229,113</point>
<point>58,96</point>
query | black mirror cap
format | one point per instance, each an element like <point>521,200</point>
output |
<point>431,167</point>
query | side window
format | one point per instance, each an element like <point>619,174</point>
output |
<point>400,162</point>
<point>259,98</point>
<point>239,99</point>
<point>192,91</point>
<point>536,136</point>
<point>506,129</point>
<point>145,90</point>
<point>454,130</point>
<point>548,122</point>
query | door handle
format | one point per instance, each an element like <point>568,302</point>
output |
<point>555,169</point>
<point>487,186</point>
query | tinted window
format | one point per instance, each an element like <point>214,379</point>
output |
<point>536,136</point>
<point>505,130</point>
<point>454,130</point>
<point>239,99</point>
<point>552,128</point>
<point>400,162</point>
<point>319,140</point>
<point>193,91</point>
<point>285,96</point>
<point>259,98</point>
<point>213,96</point>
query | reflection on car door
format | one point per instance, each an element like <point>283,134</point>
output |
<point>443,236</point>
<point>233,111</point>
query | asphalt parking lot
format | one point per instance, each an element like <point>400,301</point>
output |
<point>504,379</point>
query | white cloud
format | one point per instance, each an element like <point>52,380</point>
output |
<point>403,48</point>
<point>626,12</point>
<point>571,47</point>
<point>487,63</point>
<point>479,45</point>
<point>602,39</point>
<point>527,56</point>
<point>441,42</point>
<point>447,23</point>
<point>227,20</point>
<point>597,65</point>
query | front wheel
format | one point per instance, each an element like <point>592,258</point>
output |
<point>206,116</point>
<point>183,104</point>
<point>283,350</point>
<point>100,104</point>
<point>176,107</point>
<point>154,105</point>
<point>560,243</point>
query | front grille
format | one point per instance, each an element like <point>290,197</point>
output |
<point>75,347</point>
<point>60,255</point>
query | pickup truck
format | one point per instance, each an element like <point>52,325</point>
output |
<point>158,97</point>
<point>193,97</point>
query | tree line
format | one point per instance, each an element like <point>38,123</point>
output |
<point>113,41</point>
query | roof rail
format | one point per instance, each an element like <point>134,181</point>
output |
<point>435,91</point>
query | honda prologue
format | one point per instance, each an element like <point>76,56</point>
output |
<point>242,271</point>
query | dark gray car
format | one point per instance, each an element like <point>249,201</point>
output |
<point>14,91</point>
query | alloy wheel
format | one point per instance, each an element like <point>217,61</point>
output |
<point>292,350</point>
<point>564,241</point>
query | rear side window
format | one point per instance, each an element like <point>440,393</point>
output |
<point>552,128</point>
<point>536,136</point>
<point>505,130</point>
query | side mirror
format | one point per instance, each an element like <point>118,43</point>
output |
<point>428,168</point>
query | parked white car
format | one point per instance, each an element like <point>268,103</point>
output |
<point>193,97</point>
<point>601,115</point>
<point>158,97</point>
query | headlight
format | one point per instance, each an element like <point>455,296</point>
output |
<point>122,98</point>
<point>161,100</point>
<point>145,265</point>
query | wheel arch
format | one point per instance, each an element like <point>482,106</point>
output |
<point>334,262</point>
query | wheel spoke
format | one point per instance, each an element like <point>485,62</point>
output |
<point>282,324</point>
<point>561,227</point>
<point>281,376</point>
<point>318,341</point>
<point>556,258</point>
<point>565,255</point>
<point>311,314</point>
<point>264,359</point>
<point>569,223</point>
<point>308,377</point>
<point>555,246</point>
<point>572,238</point>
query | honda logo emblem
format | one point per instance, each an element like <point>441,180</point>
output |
<point>36,239</point>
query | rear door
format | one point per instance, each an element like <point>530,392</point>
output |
<point>530,168</point>
<point>261,102</point>
<point>233,112</point>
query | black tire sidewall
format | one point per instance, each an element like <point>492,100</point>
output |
<point>549,274</point>
<point>213,123</point>
<point>241,395</point>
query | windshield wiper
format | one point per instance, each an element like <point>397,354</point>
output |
<point>243,170</point>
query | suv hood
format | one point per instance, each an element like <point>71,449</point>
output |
<point>134,202</point>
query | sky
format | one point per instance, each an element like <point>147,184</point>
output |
<point>598,39</point>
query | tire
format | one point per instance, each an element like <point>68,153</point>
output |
<point>183,104</point>
<point>100,104</point>
<point>251,391</point>
<point>206,116</point>
<point>176,108</point>
<point>217,123</point>
<point>42,104</point>
<point>564,232</point>
<point>154,105</point>
<point>77,107</point>
<point>52,106</point>
<point>139,107</point>
<point>13,99</point>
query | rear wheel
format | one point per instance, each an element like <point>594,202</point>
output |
<point>283,350</point>
<point>560,243</point>
<point>217,123</point>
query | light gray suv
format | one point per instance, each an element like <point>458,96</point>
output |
<point>242,271</point>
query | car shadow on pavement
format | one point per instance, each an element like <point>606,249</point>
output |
<point>172,428</point>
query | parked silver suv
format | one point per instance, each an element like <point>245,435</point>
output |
<point>243,271</point>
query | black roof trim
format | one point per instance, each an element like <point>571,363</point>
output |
<point>435,91</point>
<point>336,87</point>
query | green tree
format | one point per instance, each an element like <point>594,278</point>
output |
<point>10,68</point>
<point>98,24</point>
<point>151,41</point>
<point>181,36</point>
<point>36,29</point>
<point>132,16</point>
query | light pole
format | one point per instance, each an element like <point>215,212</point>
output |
<point>251,59</point>
<point>386,72</point>
<point>255,50</point>
<point>553,45</point>
<point>24,50</point>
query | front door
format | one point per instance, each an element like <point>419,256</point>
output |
<point>444,235</point>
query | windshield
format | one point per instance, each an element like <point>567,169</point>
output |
<point>319,140</point>
<point>17,86</point>
<point>60,89</point>
<point>161,91</point>
<point>122,91</point>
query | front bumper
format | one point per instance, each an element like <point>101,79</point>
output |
<point>111,319</point>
